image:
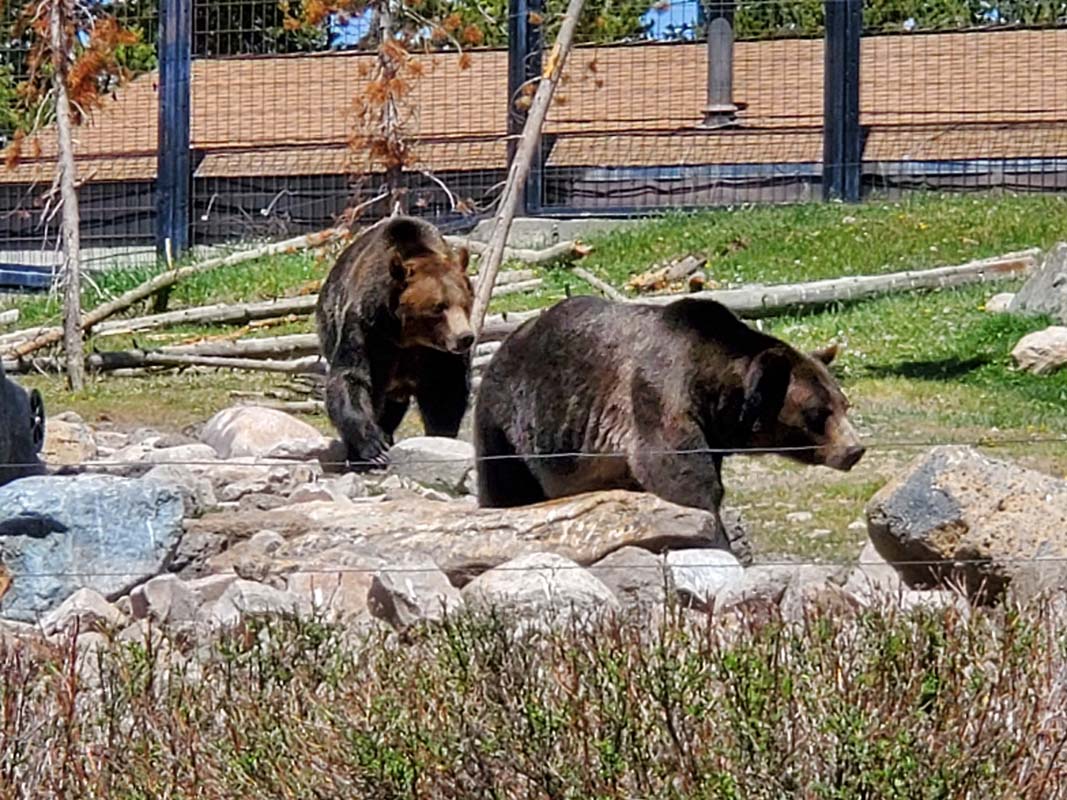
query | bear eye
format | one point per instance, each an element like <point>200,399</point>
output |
<point>815,418</point>
<point>440,308</point>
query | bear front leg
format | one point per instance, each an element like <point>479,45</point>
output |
<point>443,392</point>
<point>351,409</point>
<point>691,479</point>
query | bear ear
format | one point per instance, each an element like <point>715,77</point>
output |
<point>825,354</point>
<point>463,257</point>
<point>766,382</point>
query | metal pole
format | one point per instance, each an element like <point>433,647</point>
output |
<point>721,109</point>
<point>842,134</point>
<point>173,157</point>
<point>525,48</point>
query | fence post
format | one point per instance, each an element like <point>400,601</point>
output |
<point>525,46</point>
<point>842,137</point>
<point>173,176</point>
<point>719,20</point>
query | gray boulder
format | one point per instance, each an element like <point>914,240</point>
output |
<point>635,576</point>
<point>60,534</point>
<point>433,461</point>
<point>197,492</point>
<point>540,586</point>
<point>260,431</point>
<point>1045,291</point>
<point>698,576</point>
<point>958,517</point>
<point>411,591</point>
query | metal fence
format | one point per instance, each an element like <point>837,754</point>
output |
<point>244,122</point>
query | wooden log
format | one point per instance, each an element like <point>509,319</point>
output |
<point>111,361</point>
<point>171,277</point>
<point>606,288</point>
<point>565,251</point>
<point>518,287</point>
<point>764,301</point>
<point>520,165</point>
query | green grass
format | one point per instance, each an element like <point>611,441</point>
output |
<point>919,367</point>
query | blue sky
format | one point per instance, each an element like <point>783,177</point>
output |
<point>666,20</point>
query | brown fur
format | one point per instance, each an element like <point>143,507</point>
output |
<point>393,319</point>
<point>644,393</point>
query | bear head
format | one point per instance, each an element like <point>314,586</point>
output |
<point>434,300</point>
<point>794,407</point>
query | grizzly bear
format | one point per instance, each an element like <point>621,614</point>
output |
<point>393,319</point>
<point>652,397</point>
<point>22,428</point>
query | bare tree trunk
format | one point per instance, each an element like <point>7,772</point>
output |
<point>520,166</point>
<point>391,132</point>
<point>72,330</point>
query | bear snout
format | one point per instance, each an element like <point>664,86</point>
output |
<point>461,343</point>
<point>844,450</point>
<point>848,458</point>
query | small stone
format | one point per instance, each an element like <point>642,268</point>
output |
<point>349,485</point>
<point>165,599</point>
<point>799,516</point>
<point>260,483</point>
<point>86,608</point>
<point>197,493</point>
<point>412,591</point>
<point>245,598</point>
<point>435,462</point>
<point>68,441</point>
<point>1043,351</point>
<point>999,303</point>
<point>635,576</point>
<point>312,492</point>
<point>697,576</point>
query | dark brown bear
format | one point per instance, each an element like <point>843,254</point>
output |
<point>393,320</point>
<point>644,382</point>
<point>22,428</point>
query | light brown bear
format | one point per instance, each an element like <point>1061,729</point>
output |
<point>393,320</point>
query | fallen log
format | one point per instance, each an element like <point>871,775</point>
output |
<point>517,287</point>
<point>111,361</point>
<point>171,277</point>
<point>606,288</point>
<point>753,302</point>
<point>566,251</point>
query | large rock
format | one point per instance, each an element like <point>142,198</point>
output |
<point>1042,352</point>
<point>957,516</point>
<point>86,609</point>
<point>59,534</point>
<point>259,431</point>
<point>540,585</point>
<point>434,461</point>
<point>197,492</point>
<point>464,540</point>
<point>1045,291</point>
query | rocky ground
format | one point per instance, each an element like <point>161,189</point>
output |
<point>193,533</point>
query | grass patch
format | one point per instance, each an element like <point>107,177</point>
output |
<point>886,704</point>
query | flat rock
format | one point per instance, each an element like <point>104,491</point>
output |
<point>1045,291</point>
<point>635,576</point>
<point>85,608</point>
<point>962,518</point>
<point>68,442</point>
<point>698,576</point>
<point>61,534</point>
<point>259,431</point>
<point>412,591</point>
<point>464,540</point>
<point>433,461</point>
<point>1042,352</point>
<point>539,585</point>
<point>181,454</point>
